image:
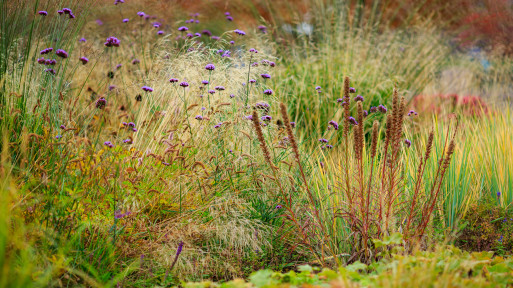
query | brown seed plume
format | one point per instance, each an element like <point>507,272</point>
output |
<point>260,136</point>
<point>375,130</point>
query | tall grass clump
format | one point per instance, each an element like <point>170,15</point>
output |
<point>363,195</point>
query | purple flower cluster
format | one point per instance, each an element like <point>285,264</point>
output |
<point>101,103</point>
<point>333,124</point>
<point>210,67</point>
<point>267,118</point>
<point>412,112</point>
<point>46,51</point>
<point>265,76</point>
<point>84,60</point>
<point>112,42</point>
<point>61,53</point>
<point>108,144</point>
<point>407,143</point>
<point>382,109</point>
<point>323,140</point>
<point>198,117</point>
<point>173,80</point>
<point>358,98</point>
<point>184,84</point>
<point>147,89</point>
<point>352,121</point>
<point>42,13</point>
<point>268,92</point>
<point>182,29</point>
<point>239,32</point>
<point>220,88</point>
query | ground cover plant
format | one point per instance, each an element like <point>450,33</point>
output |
<point>157,144</point>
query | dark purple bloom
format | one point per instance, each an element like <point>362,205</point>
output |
<point>253,50</point>
<point>352,121</point>
<point>197,34</point>
<point>46,51</point>
<point>108,144</point>
<point>140,14</point>
<point>329,146</point>
<point>60,12</point>
<point>112,42</point>
<point>183,29</point>
<point>119,2</point>
<point>211,91</point>
<point>268,92</point>
<point>249,117</point>
<point>61,53</point>
<point>112,87</point>
<point>210,67</point>
<point>262,28</point>
<point>125,20</point>
<point>160,32</point>
<point>358,98</point>
<point>232,42</point>
<point>147,89</point>
<point>189,35</point>
<point>184,84</point>
<point>42,13</point>
<point>252,81</point>
<point>365,113</point>
<point>131,124</point>
<point>407,143</point>
<point>278,206</point>
<point>41,61</point>
<point>136,61</point>
<point>100,103</point>
<point>266,76</point>
<point>206,32</point>
<point>352,90</point>
<point>204,82</point>
<point>239,32</point>
<point>220,88</point>
<point>293,124</point>
<point>50,62</point>
<point>58,137</point>
<point>218,125</point>
<point>267,118</point>
<point>83,40</point>
<point>382,109</point>
<point>71,16</point>
<point>198,117</point>
<point>173,80</point>
<point>373,109</point>
<point>66,10</point>
<point>84,60</point>
<point>498,193</point>
<point>227,14</point>
<point>323,140</point>
<point>412,112</point>
<point>62,127</point>
<point>333,124</point>
<point>229,18</point>
<point>232,96</point>
<point>339,100</point>
<point>318,88</point>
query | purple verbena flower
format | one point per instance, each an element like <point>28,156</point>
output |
<point>83,40</point>
<point>253,50</point>
<point>112,42</point>
<point>42,13</point>
<point>198,117</point>
<point>41,61</point>
<point>61,53</point>
<point>51,71</point>
<point>323,140</point>
<point>333,124</point>
<point>220,88</point>
<point>212,91</point>
<point>352,121</point>
<point>204,82</point>
<point>184,84</point>
<point>382,109</point>
<point>352,90</point>
<point>140,14</point>
<point>229,18</point>
<point>265,76</point>
<point>252,81</point>
<point>407,143</point>
<point>173,80</point>
<point>46,51</point>
<point>183,29</point>
<point>268,92</point>
<point>136,61</point>
<point>358,98</point>
<point>373,109</point>
<point>101,103</point>
<point>66,10</point>
<point>126,20</point>
<point>210,67</point>
<point>84,60</point>
<point>147,89</point>
<point>239,32</point>
<point>267,118</point>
